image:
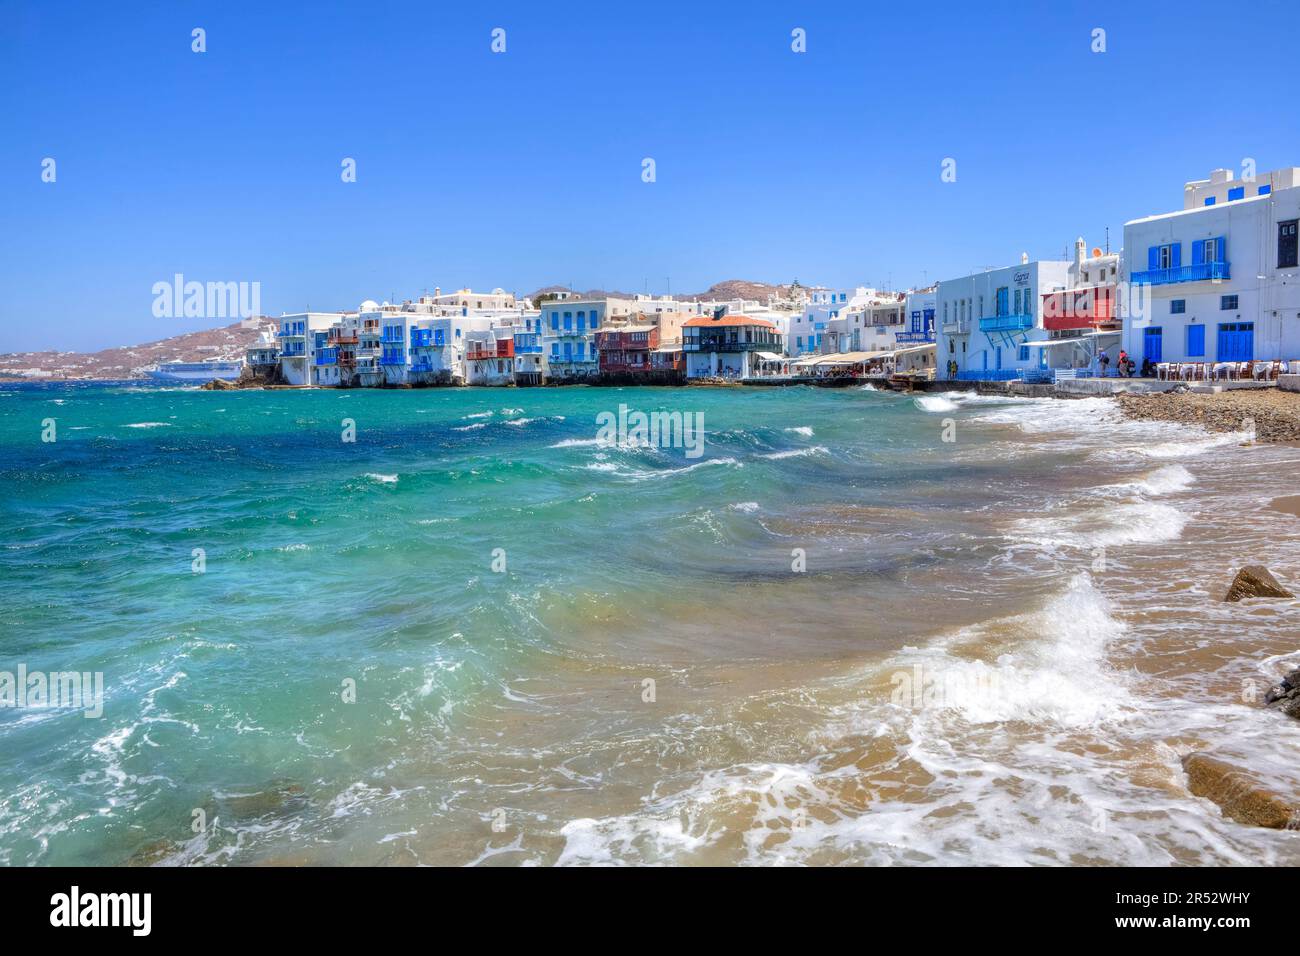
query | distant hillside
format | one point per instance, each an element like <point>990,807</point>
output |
<point>719,291</point>
<point>123,362</point>
<point>740,289</point>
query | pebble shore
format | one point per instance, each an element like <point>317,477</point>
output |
<point>1276,413</point>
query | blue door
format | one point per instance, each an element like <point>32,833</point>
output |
<point>1236,341</point>
<point>999,357</point>
<point>1152,343</point>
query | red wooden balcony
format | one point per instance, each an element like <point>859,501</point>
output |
<point>1081,308</point>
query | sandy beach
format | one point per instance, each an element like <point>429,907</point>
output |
<point>1276,413</point>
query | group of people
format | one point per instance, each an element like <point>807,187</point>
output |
<point>1124,365</point>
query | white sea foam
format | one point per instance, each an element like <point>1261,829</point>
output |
<point>810,452</point>
<point>803,430</point>
<point>1102,525</point>
<point>935,403</point>
<point>469,428</point>
<point>520,422</point>
<point>480,415</point>
<point>748,507</point>
<point>148,425</point>
<point>382,479</point>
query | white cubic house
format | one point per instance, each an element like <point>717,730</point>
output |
<point>987,320</point>
<point>1217,281</point>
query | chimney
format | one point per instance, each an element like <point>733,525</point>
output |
<point>1079,253</point>
<point>1218,176</point>
<point>1024,258</point>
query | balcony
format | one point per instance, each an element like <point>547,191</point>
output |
<point>922,337</point>
<point>1199,272</point>
<point>1074,309</point>
<point>957,327</point>
<point>421,338</point>
<point>1006,323</point>
<point>343,339</point>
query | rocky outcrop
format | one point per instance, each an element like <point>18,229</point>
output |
<point>221,385</point>
<point>1239,794</point>
<point>1286,695</point>
<point>1255,580</point>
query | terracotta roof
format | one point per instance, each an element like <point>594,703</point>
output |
<point>701,321</point>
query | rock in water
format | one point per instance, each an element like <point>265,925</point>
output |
<point>1286,695</point>
<point>1241,796</point>
<point>1255,580</point>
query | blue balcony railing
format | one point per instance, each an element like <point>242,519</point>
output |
<point>1006,323</point>
<point>422,367</point>
<point>915,336</point>
<point>990,375</point>
<point>1199,272</point>
<point>421,338</point>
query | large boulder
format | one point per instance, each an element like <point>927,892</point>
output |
<point>1242,796</point>
<point>1255,580</point>
<point>1286,695</point>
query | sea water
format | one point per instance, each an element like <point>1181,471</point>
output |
<point>459,626</point>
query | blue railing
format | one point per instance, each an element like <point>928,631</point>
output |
<point>422,367</point>
<point>293,348</point>
<point>915,336</point>
<point>421,338</point>
<point>1006,323</point>
<point>990,375</point>
<point>1199,272</point>
<point>327,357</point>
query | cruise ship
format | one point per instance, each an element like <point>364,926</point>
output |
<point>195,373</point>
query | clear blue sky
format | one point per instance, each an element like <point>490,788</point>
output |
<point>524,169</point>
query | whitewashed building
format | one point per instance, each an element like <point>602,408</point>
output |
<point>987,321</point>
<point>569,327</point>
<point>297,335</point>
<point>1218,280</point>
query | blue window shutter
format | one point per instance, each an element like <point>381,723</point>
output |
<point>1176,251</point>
<point>1153,258</point>
<point>1238,192</point>
<point>1209,200</point>
<point>1266,189</point>
<point>1198,251</point>
<point>1222,250</point>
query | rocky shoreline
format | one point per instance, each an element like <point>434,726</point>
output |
<point>1275,413</point>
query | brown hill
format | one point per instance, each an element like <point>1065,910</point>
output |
<point>124,362</point>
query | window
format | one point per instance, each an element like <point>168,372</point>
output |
<point>1177,306</point>
<point>568,321</point>
<point>798,341</point>
<point>1165,258</point>
<point>1227,303</point>
<point>1286,244</point>
<point>1196,341</point>
<point>1024,353</point>
<point>1209,200</point>
<point>1002,303</point>
<point>1265,189</point>
<point>555,320</point>
<point>555,350</point>
<point>1237,192</point>
<point>1017,309</point>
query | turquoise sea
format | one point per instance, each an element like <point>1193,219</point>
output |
<point>479,634</point>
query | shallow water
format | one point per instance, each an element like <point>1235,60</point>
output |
<point>997,650</point>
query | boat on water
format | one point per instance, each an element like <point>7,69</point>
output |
<point>195,372</point>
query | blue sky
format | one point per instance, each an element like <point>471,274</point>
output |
<point>523,169</point>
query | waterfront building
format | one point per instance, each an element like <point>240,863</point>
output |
<point>728,346</point>
<point>530,363</point>
<point>987,321</point>
<point>1083,318</point>
<point>490,357</point>
<point>369,349</point>
<point>807,329</point>
<point>1217,281</point>
<point>262,356</point>
<point>298,335</point>
<point>917,317</point>
<point>569,334</point>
